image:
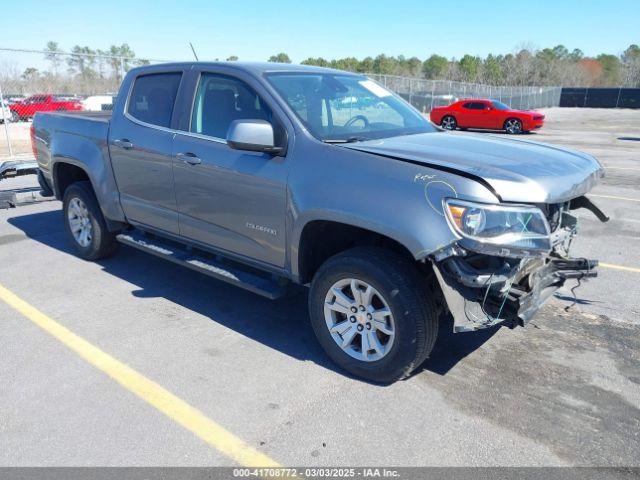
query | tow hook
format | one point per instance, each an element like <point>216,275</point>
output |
<point>566,268</point>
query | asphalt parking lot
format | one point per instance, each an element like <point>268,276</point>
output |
<point>227,366</point>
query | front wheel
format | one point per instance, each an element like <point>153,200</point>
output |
<point>513,126</point>
<point>449,123</point>
<point>372,313</point>
<point>85,224</point>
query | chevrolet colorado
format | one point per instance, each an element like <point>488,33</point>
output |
<point>263,175</point>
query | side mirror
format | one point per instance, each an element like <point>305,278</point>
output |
<point>253,136</point>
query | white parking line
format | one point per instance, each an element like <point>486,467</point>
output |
<point>626,199</point>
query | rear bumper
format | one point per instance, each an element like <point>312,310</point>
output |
<point>15,168</point>
<point>511,295</point>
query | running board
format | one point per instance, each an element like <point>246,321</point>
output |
<point>217,267</point>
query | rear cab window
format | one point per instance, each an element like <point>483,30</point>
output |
<point>153,97</point>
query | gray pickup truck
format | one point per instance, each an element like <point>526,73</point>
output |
<point>264,175</point>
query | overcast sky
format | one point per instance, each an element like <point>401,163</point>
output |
<point>256,29</point>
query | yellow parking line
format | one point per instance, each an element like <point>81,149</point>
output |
<point>619,267</point>
<point>166,402</point>
<point>616,198</point>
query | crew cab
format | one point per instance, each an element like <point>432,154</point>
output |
<point>486,114</point>
<point>28,107</point>
<point>267,175</point>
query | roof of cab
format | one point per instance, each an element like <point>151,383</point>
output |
<point>256,68</point>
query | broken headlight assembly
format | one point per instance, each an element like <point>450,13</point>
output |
<point>507,260</point>
<point>499,229</point>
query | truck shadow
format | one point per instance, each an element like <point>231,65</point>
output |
<point>281,324</point>
<point>451,347</point>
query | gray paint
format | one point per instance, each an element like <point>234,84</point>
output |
<point>220,202</point>
<point>79,140</point>
<point>518,170</point>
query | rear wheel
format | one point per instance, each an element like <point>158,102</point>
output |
<point>513,126</point>
<point>371,312</point>
<point>448,123</point>
<point>85,224</point>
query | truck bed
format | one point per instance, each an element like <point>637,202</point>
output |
<point>79,135</point>
<point>102,116</point>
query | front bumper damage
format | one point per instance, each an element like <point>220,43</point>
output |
<point>484,289</point>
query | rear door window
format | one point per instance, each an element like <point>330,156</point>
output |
<point>153,97</point>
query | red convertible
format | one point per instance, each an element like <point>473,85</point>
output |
<point>486,114</point>
<point>28,107</point>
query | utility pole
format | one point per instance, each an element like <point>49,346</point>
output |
<point>5,122</point>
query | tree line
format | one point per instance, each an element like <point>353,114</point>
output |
<point>556,66</point>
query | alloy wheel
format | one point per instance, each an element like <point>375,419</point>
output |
<point>359,320</point>
<point>513,126</point>
<point>449,123</point>
<point>80,222</point>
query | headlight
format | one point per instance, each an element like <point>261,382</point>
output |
<point>514,227</point>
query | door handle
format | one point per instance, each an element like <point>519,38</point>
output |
<point>123,143</point>
<point>189,158</point>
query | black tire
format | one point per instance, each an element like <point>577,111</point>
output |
<point>103,242</point>
<point>449,122</point>
<point>517,130</point>
<point>405,290</point>
<point>15,117</point>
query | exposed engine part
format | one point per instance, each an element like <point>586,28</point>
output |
<point>584,202</point>
<point>483,290</point>
<point>512,296</point>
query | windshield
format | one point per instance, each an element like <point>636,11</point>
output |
<point>345,108</point>
<point>500,105</point>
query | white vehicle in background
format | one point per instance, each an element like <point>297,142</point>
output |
<point>5,113</point>
<point>97,103</point>
<point>444,100</point>
<point>9,99</point>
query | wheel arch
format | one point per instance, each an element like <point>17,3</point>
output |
<point>320,238</point>
<point>66,171</point>
<point>89,154</point>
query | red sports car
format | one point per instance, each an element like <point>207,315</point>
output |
<point>486,114</point>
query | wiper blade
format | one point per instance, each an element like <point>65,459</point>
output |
<point>344,140</point>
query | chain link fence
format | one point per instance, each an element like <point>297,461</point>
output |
<point>426,94</point>
<point>34,81</point>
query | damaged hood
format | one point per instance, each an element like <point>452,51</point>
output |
<point>518,170</point>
